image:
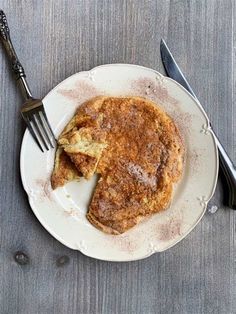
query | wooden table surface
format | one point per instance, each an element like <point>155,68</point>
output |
<point>55,39</point>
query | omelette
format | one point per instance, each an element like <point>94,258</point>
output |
<point>134,147</point>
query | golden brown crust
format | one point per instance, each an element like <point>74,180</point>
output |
<point>138,151</point>
<point>64,170</point>
<point>84,163</point>
<point>94,221</point>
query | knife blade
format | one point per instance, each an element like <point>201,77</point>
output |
<point>173,71</point>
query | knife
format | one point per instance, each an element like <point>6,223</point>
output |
<point>173,71</point>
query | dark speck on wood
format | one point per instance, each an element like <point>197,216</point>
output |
<point>62,260</point>
<point>21,258</point>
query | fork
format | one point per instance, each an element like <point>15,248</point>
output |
<point>32,111</point>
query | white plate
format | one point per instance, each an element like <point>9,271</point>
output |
<point>62,212</point>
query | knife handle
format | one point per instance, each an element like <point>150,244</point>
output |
<point>16,66</point>
<point>229,171</point>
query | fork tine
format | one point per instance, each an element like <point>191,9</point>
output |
<point>35,124</point>
<point>44,128</point>
<point>48,124</point>
<point>27,121</point>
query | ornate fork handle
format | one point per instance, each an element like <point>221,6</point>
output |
<point>16,66</point>
<point>4,29</point>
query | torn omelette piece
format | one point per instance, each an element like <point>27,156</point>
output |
<point>84,146</point>
<point>64,170</point>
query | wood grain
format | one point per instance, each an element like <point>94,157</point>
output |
<point>55,39</point>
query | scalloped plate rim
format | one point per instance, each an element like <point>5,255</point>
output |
<point>51,231</point>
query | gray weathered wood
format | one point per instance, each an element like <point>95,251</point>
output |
<point>55,39</point>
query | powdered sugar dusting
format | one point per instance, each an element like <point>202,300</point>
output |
<point>156,91</point>
<point>194,159</point>
<point>182,120</point>
<point>80,92</point>
<point>45,187</point>
<point>125,243</point>
<point>104,205</point>
<point>170,230</point>
<point>72,213</point>
<point>141,175</point>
